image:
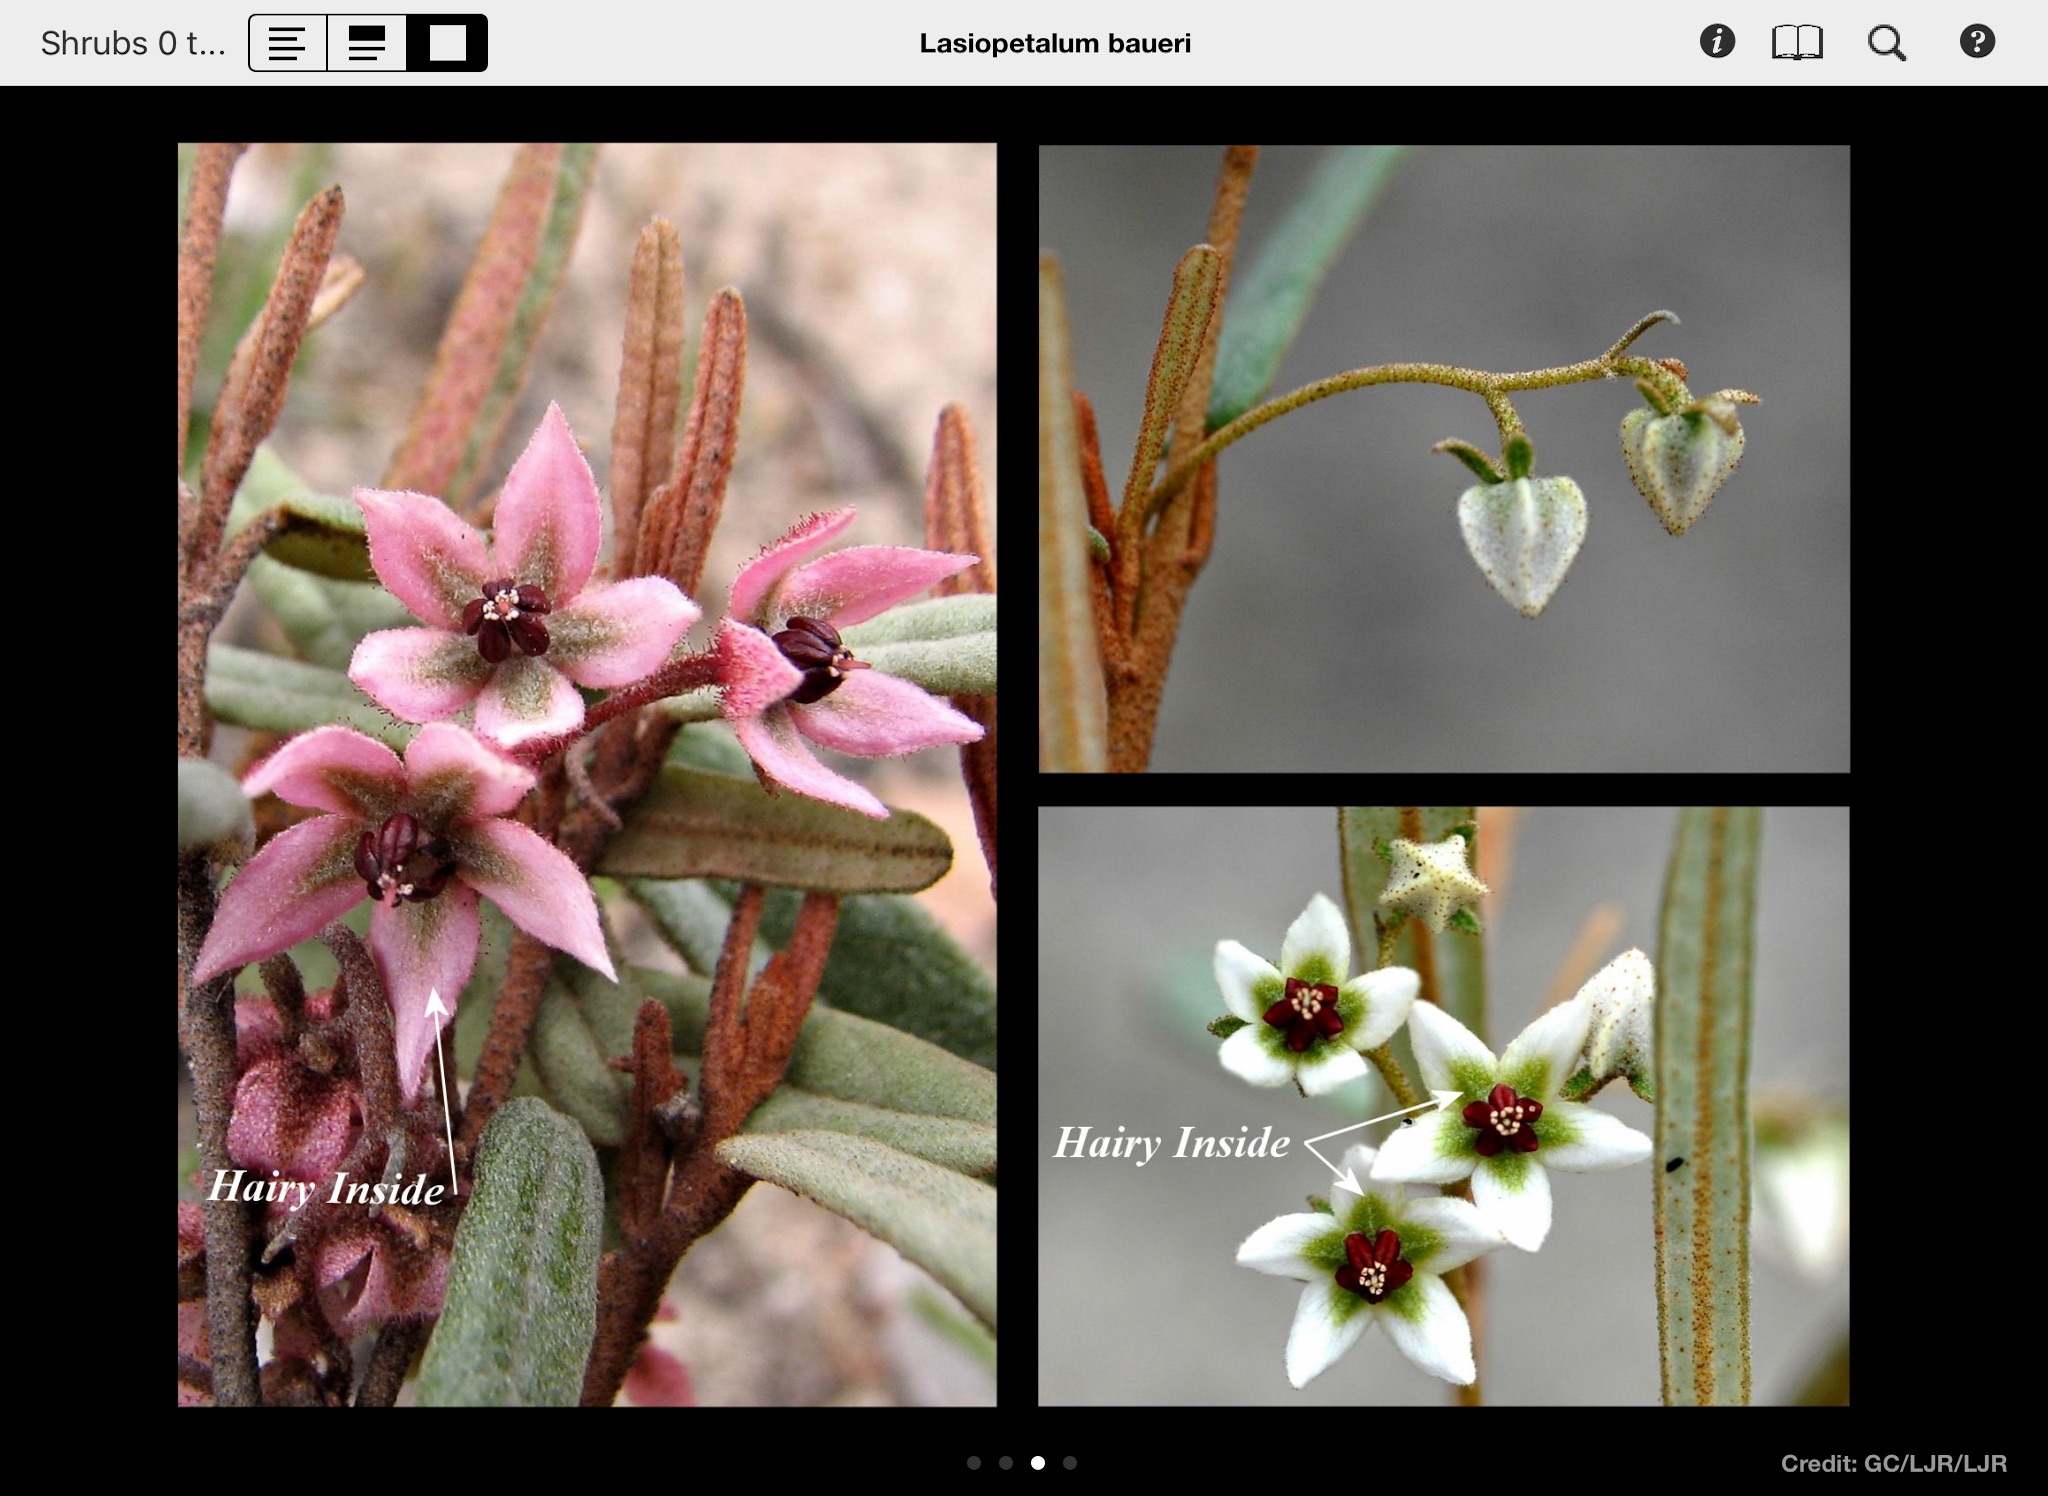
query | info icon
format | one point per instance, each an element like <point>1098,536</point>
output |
<point>1717,40</point>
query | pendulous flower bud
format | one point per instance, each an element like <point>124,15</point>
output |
<point>1678,460</point>
<point>1524,534</point>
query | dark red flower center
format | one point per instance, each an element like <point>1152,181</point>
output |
<point>1309,1009</point>
<point>1376,1267</point>
<point>507,614</point>
<point>394,860</point>
<point>1504,1120</point>
<point>814,647</point>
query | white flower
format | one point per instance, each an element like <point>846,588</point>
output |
<point>1302,1020</point>
<point>1378,1259</point>
<point>1518,1129</point>
<point>1431,880</point>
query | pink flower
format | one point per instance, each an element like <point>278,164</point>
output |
<point>515,625</point>
<point>423,838</point>
<point>786,672</point>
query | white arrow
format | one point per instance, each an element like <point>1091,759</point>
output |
<point>436,1009</point>
<point>1348,1178</point>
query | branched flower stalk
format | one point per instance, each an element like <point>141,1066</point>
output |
<point>1493,388</point>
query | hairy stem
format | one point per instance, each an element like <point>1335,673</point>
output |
<point>1493,388</point>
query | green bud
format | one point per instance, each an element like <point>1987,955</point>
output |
<point>1678,460</point>
<point>1524,534</point>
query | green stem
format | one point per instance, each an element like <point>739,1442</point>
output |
<point>1493,388</point>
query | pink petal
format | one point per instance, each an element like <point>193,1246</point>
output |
<point>752,673</point>
<point>853,585</point>
<point>874,715</point>
<point>615,634</point>
<point>291,1120</point>
<point>772,742</point>
<point>303,877</point>
<point>527,698</point>
<point>332,768</point>
<point>549,518</point>
<point>419,675</point>
<point>422,949</point>
<point>537,886</point>
<point>424,553</point>
<point>370,1274</point>
<point>749,598</point>
<point>657,1379</point>
<point>456,776</point>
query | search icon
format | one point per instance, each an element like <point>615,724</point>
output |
<point>1893,49</point>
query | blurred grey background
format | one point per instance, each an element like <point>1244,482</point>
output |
<point>1140,1301</point>
<point>1340,591</point>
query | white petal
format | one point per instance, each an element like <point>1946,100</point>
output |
<point>1522,1212</point>
<point>1466,1231</point>
<point>1437,1339</point>
<point>1278,1246</point>
<point>1246,1056</point>
<point>1358,1158</point>
<point>1236,970</point>
<point>1330,1069</point>
<point>1389,993</point>
<point>1423,1154</point>
<point>1543,1054</point>
<point>1327,1323</point>
<point>1442,1045</point>
<point>1318,937</point>
<point>1599,1140</point>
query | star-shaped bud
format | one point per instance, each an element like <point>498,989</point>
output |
<point>1431,880</point>
<point>1302,1020</point>
<point>1377,1258</point>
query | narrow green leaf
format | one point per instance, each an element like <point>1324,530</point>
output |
<point>571,1060</point>
<point>522,1288</point>
<point>966,666</point>
<point>839,1055</point>
<point>713,748</point>
<point>943,1222</point>
<point>1190,306</point>
<point>894,963</point>
<point>697,824</point>
<point>946,645</point>
<point>1705,945</point>
<point>1269,300</point>
<point>959,616</point>
<point>326,534</point>
<point>1073,713</point>
<point>211,807</point>
<point>251,689</point>
<point>964,1147</point>
<point>692,917</point>
<point>1459,958</point>
<point>323,618</point>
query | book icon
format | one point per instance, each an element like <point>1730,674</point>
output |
<point>1795,42</point>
